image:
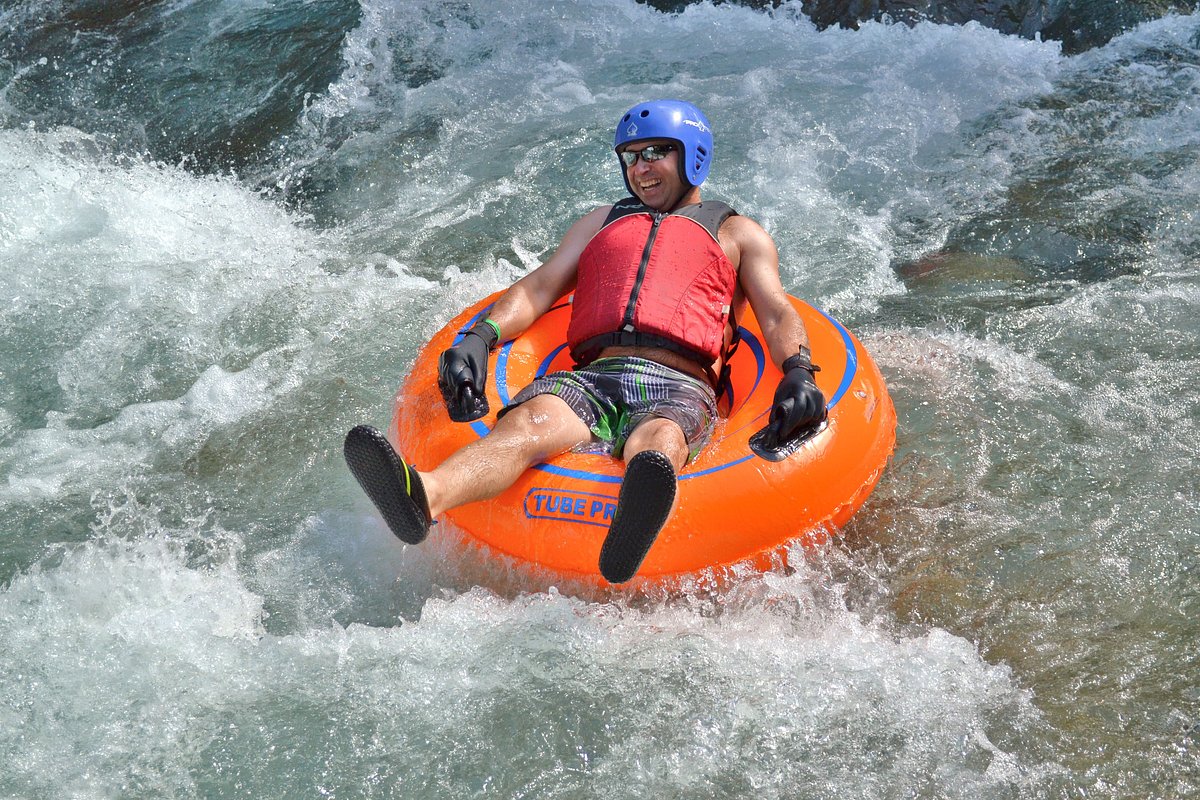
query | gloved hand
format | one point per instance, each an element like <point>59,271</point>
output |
<point>462,373</point>
<point>798,403</point>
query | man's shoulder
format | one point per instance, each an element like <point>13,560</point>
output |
<point>746,242</point>
<point>594,219</point>
<point>740,227</point>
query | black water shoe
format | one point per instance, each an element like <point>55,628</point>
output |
<point>643,505</point>
<point>393,486</point>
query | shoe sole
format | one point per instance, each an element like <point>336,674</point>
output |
<point>393,486</point>
<point>643,505</point>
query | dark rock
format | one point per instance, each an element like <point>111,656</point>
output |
<point>1078,24</point>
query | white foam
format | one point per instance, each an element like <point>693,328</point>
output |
<point>167,306</point>
<point>128,646</point>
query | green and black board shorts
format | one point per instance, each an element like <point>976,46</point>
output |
<point>614,395</point>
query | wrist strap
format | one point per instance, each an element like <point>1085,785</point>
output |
<point>488,331</point>
<point>802,360</point>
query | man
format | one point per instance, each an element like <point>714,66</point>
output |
<point>658,281</point>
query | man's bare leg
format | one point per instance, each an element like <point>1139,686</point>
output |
<point>654,452</point>
<point>409,500</point>
<point>527,435</point>
<point>661,434</point>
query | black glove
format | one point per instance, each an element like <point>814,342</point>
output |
<point>462,373</point>
<point>798,404</point>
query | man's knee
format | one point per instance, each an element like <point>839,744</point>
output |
<point>542,414</point>
<point>661,434</point>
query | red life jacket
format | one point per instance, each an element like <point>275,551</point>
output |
<point>655,280</point>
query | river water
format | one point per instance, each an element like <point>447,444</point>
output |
<point>226,229</point>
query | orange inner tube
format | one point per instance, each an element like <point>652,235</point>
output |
<point>732,505</point>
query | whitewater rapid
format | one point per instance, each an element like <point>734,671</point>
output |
<point>196,600</point>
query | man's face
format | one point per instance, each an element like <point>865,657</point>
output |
<point>656,183</point>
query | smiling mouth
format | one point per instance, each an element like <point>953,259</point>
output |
<point>647,185</point>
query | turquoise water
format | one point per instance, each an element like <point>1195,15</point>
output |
<point>227,228</point>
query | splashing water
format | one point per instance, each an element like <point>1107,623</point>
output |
<point>213,265</point>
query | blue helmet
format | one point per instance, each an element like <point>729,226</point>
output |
<point>670,119</point>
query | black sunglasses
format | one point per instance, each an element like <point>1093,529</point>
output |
<point>650,153</point>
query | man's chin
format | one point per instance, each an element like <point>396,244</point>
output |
<point>656,203</point>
